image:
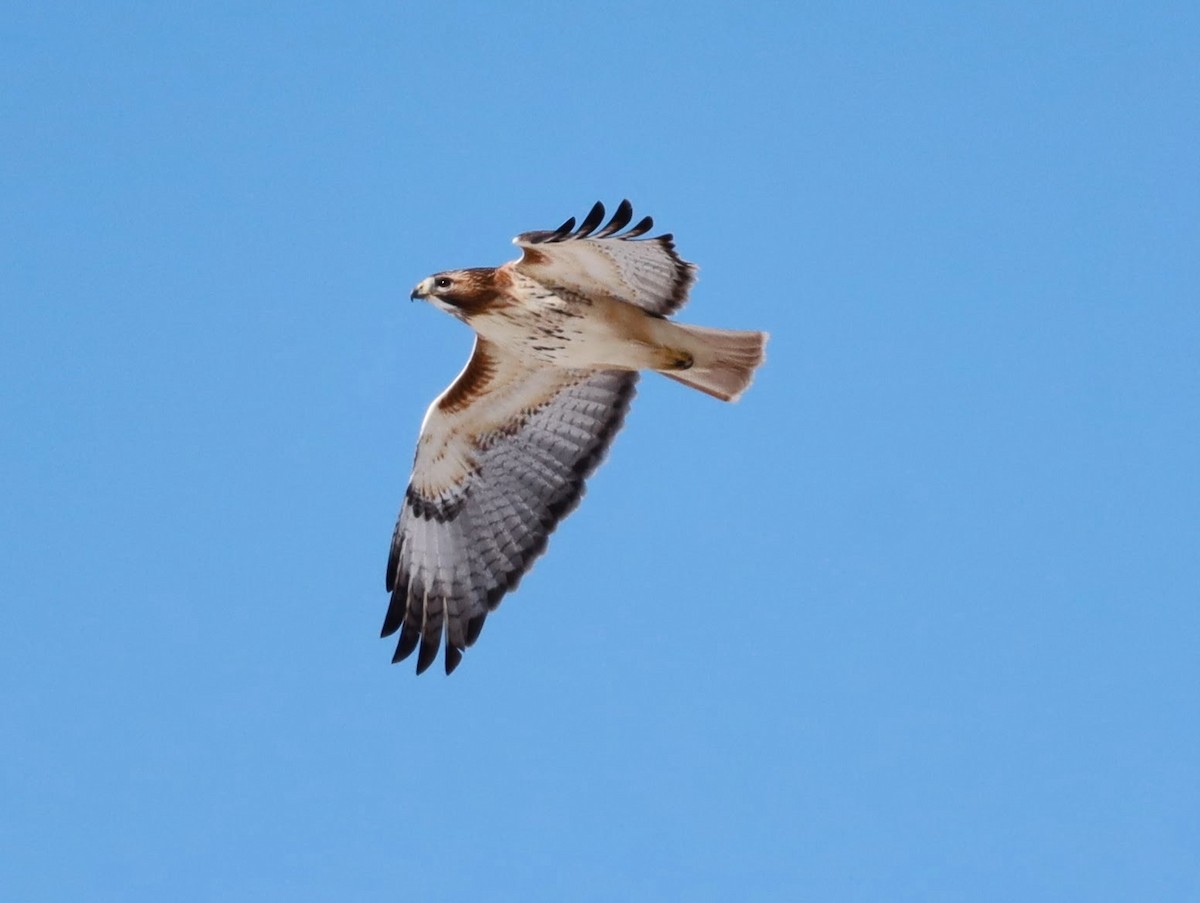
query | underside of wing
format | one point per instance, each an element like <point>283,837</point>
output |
<point>609,262</point>
<point>502,458</point>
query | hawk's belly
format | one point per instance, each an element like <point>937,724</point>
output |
<point>575,332</point>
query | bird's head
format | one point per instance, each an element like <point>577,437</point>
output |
<point>458,292</point>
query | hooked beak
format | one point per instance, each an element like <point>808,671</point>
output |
<point>422,290</point>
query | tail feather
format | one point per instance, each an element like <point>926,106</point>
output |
<point>724,360</point>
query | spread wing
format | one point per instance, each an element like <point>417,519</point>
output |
<point>646,272</point>
<point>502,458</point>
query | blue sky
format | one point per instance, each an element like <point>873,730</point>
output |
<point>916,620</point>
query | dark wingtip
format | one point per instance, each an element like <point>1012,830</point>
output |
<point>475,627</point>
<point>409,637</point>
<point>645,224</point>
<point>562,231</point>
<point>427,655</point>
<point>620,219</point>
<point>591,221</point>
<point>397,607</point>
<point>394,558</point>
<point>566,232</point>
<point>453,657</point>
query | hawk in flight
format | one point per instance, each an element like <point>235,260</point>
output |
<point>560,335</point>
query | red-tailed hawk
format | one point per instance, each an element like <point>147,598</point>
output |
<point>560,336</point>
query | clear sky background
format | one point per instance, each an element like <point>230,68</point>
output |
<point>916,620</point>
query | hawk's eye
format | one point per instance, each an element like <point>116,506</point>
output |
<point>442,282</point>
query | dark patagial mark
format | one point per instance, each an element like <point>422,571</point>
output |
<point>532,256</point>
<point>473,381</point>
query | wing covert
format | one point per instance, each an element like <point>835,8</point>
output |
<point>610,263</point>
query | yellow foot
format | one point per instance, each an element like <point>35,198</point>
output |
<point>674,359</point>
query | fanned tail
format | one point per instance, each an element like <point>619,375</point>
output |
<point>724,360</point>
